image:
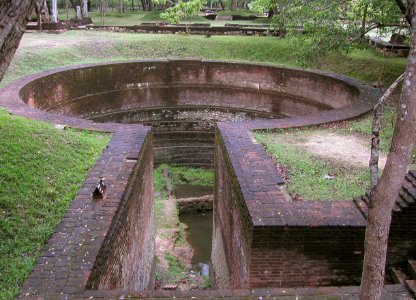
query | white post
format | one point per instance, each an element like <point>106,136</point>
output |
<point>79,16</point>
<point>54,11</point>
<point>85,8</point>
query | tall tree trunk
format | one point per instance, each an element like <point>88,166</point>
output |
<point>38,9</point>
<point>271,13</point>
<point>364,20</point>
<point>13,20</point>
<point>132,5</point>
<point>46,10</point>
<point>54,11</point>
<point>233,4</point>
<point>120,6</point>
<point>74,4</point>
<point>387,190</point>
<point>375,139</point>
<point>404,8</point>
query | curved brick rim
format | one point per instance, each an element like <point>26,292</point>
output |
<point>11,100</point>
<point>256,172</point>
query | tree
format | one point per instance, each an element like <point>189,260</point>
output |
<point>39,6</point>
<point>13,20</point>
<point>385,193</point>
<point>182,10</point>
<point>121,6</point>
<point>324,26</point>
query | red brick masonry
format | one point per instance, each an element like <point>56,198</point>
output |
<point>261,239</point>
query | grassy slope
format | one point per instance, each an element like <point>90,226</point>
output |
<point>41,51</point>
<point>41,170</point>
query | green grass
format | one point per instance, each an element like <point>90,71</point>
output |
<point>363,126</point>
<point>182,175</point>
<point>41,170</point>
<point>176,271</point>
<point>130,18</point>
<point>366,65</point>
<point>307,172</point>
<point>41,51</point>
<point>177,175</point>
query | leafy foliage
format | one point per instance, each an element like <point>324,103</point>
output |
<point>325,26</point>
<point>182,10</point>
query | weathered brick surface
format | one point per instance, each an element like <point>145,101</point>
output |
<point>263,239</point>
<point>232,226</point>
<point>390,292</point>
<point>168,95</point>
<point>126,258</point>
<point>306,256</point>
<point>402,238</point>
<point>72,251</point>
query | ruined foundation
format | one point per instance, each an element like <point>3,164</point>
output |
<point>202,114</point>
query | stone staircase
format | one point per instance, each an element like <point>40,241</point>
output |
<point>406,276</point>
<point>404,210</point>
<point>406,199</point>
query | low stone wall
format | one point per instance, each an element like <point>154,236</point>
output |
<point>196,30</point>
<point>193,205</point>
<point>296,243</point>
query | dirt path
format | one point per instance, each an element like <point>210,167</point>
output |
<point>348,149</point>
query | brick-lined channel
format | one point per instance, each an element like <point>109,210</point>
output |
<point>263,243</point>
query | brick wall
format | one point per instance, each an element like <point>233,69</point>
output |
<point>232,227</point>
<point>402,238</point>
<point>126,257</point>
<point>280,256</point>
<point>304,256</point>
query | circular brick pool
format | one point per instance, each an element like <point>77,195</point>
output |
<point>182,99</point>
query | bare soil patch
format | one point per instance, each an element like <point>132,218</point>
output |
<point>341,148</point>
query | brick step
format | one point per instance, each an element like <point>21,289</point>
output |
<point>398,276</point>
<point>411,285</point>
<point>412,173</point>
<point>411,269</point>
<point>407,198</point>
<point>411,192</point>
